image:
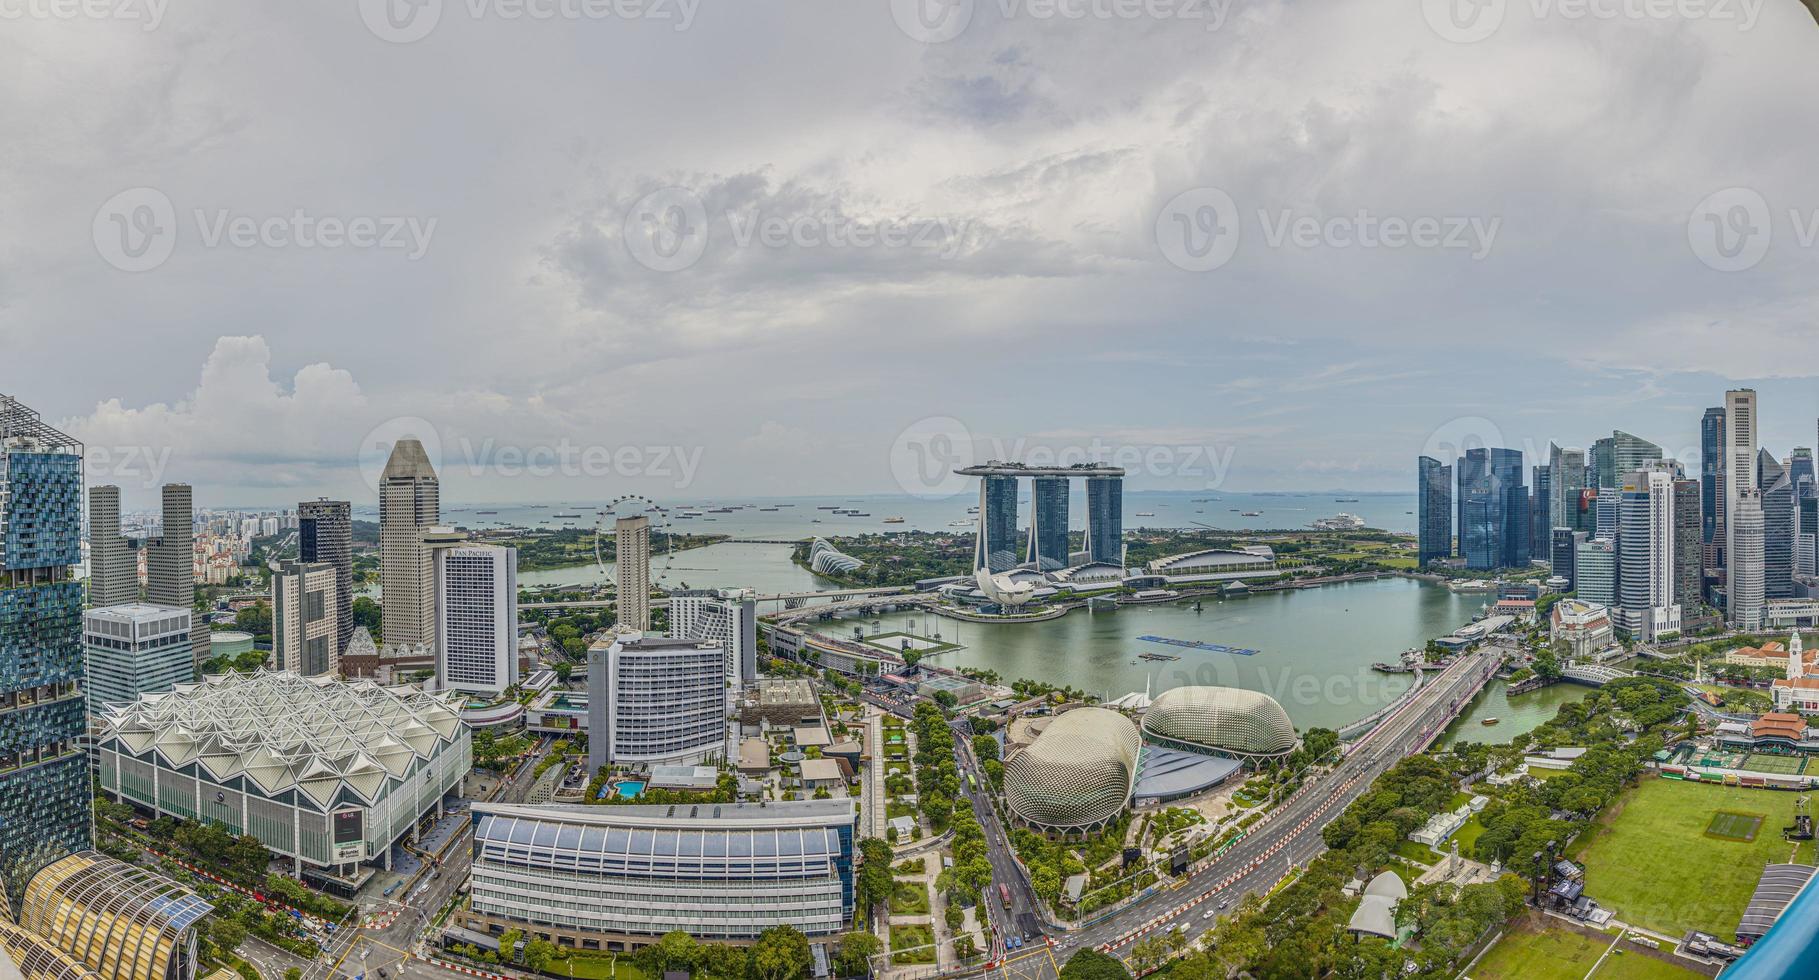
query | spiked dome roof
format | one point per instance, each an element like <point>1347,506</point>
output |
<point>284,731</point>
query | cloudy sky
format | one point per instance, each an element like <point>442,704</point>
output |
<point>825,245</point>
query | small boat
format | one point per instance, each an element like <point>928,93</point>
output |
<point>893,520</point>
<point>1490,721</point>
<point>959,523</point>
<point>1146,513</point>
<point>1251,513</point>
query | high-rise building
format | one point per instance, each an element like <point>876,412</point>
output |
<point>305,635</point>
<point>135,649</point>
<point>1608,504</point>
<point>325,533</point>
<point>113,572</point>
<point>1712,499</point>
<point>728,617</point>
<point>477,618</point>
<point>1689,549</point>
<point>1048,523</point>
<point>1566,472</point>
<point>655,701</point>
<point>632,562</point>
<point>1595,572</point>
<point>44,779</point>
<point>1645,578</point>
<point>1564,553</point>
<point>1434,510</point>
<point>170,563</point>
<point>409,502</point>
<point>1105,519</point>
<point>1601,464</point>
<point>1540,498</point>
<point>995,545</point>
<point>1743,552</point>
<point>1779,526</point>
<point>1631,453</point>
<point>1494,507</point>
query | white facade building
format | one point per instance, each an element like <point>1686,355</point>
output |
<point>632,567</point>
<point>1646,607</point>
<point>135,649</point>
<point>305,630</point>
<point>1743,551</point>
<point>476,618</point>
<point>726,616</point>
<point>656,701</point>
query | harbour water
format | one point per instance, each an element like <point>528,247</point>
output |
<point>1515,716</point>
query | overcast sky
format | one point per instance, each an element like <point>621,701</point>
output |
<point>818,245</point>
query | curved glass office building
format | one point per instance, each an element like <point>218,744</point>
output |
<point>618,877</point>
<point>122,921</point>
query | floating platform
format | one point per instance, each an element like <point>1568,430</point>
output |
<point>1201,645</point>
<point>1157,656</point>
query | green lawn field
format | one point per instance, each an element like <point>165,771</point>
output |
<point>1559,954</point>
<point>1656,865</point>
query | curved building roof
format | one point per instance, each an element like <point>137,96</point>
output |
<point>36,958</point>
<point>824,558</point>
<point>1222,719</point>
<point>284,731</point>
<point>122,921</point>
<point>1079,772</point>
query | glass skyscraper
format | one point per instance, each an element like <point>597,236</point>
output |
<point>1493,504</point>
<point>1105,519</point>
<point>996,549</point>
<point>1711,483</point>
<point>1434,509</point>
<point>1539,542</point>
<point>1778,527</point>
<point>44,773</point>
<point>1566,476</point>
<point>1048,523</point>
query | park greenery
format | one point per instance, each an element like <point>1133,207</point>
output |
<point>542,550</point>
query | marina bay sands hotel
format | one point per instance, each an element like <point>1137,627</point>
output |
<point>1046,547</point>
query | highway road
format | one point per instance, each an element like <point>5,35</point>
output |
<point>1289,838</point>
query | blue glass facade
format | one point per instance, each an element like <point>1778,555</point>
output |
<point>44,773</point>
<point>1048,523</point>
<point>1105,519</point>
<point>1493,509</point>
<point>1434,509</point>
<point>1711,476</point>
<point>996,547</point>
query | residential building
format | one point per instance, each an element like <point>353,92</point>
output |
<point>325,534</point>
<point>656,701</point>
<point>1494,506</point>
<point>728,617</point>
<point>113,574</point>
<point>44,779</point>
<point>1048,523</point>
<point>476,618</point>
<point>576,874</point>
<point>1595,571</point>
<point>305,633</point>
<point>1646,584</point>
<point>1105,519</point>
<point>409,503</point>
<point>1434,514</point>
<point>632,563</point>
<point>135,649</point>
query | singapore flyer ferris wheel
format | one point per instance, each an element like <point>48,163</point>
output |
<point>629,507</point>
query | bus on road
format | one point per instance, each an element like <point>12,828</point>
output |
<point>1004,894</point>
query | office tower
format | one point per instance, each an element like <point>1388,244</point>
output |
<point>1806,518</point>
<point>325,534</point>
<point>1743,552</point>
<point>1645,558</point>
<point>477,618</point>
<point>113,573</point>
<point>1601,464</point>
<point>1566,472</point>
<point>1048,523</point>
<point>1434,510</point>
<point>1778,526</point>
<point>1689,549</point>
<point>1494,505</point>
<point>729,617</point>
<point>1595,571</point>
<point>170,564</point>
<point>655,701</point>
<point>409,502</point>
<point>1608,506</point>
<point>134,649</point>
<point>1800,471</point>
<point>1541,492</point>
<point>44,779</point>
<point>1105,519</point>
<point>305,636</point>
<point>995,543</point>
<point>632,559</point>
<point>1712,499</point>
<point>1564,553</point>
<point>1631,453</point>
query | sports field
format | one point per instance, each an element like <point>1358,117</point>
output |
<point>1655,861</point>
<point>1785,765</point>
<point>1560,954</point>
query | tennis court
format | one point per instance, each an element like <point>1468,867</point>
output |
<point>1782,765</point>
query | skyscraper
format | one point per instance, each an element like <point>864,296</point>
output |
<point>1105,519</point>
<point>477,618</point>
<point>1631,453</point>
<point>995,546</point>
<point>135,649</point>
<point>1494,505</point>
<point>1048,523</point>
<point>1645,557</point>
<point>1689,550</point>
<point>1712,499</point>
<point>325,533</point>
<point>1566,471</point>
<point>1563,547</point>
<point>113,566</point>
<point>1595,572</point>
<point>1601,464</point>
<point>729,617</point>
<point>170,563</point>
<point>1434,510</point>
<point>44,778</point>
<point>409,503</point>
<point>1779,526</point>
<point>305,636</point>
<point>1743,552</point>
<point>1540,502</point>
<point>632,562</point>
